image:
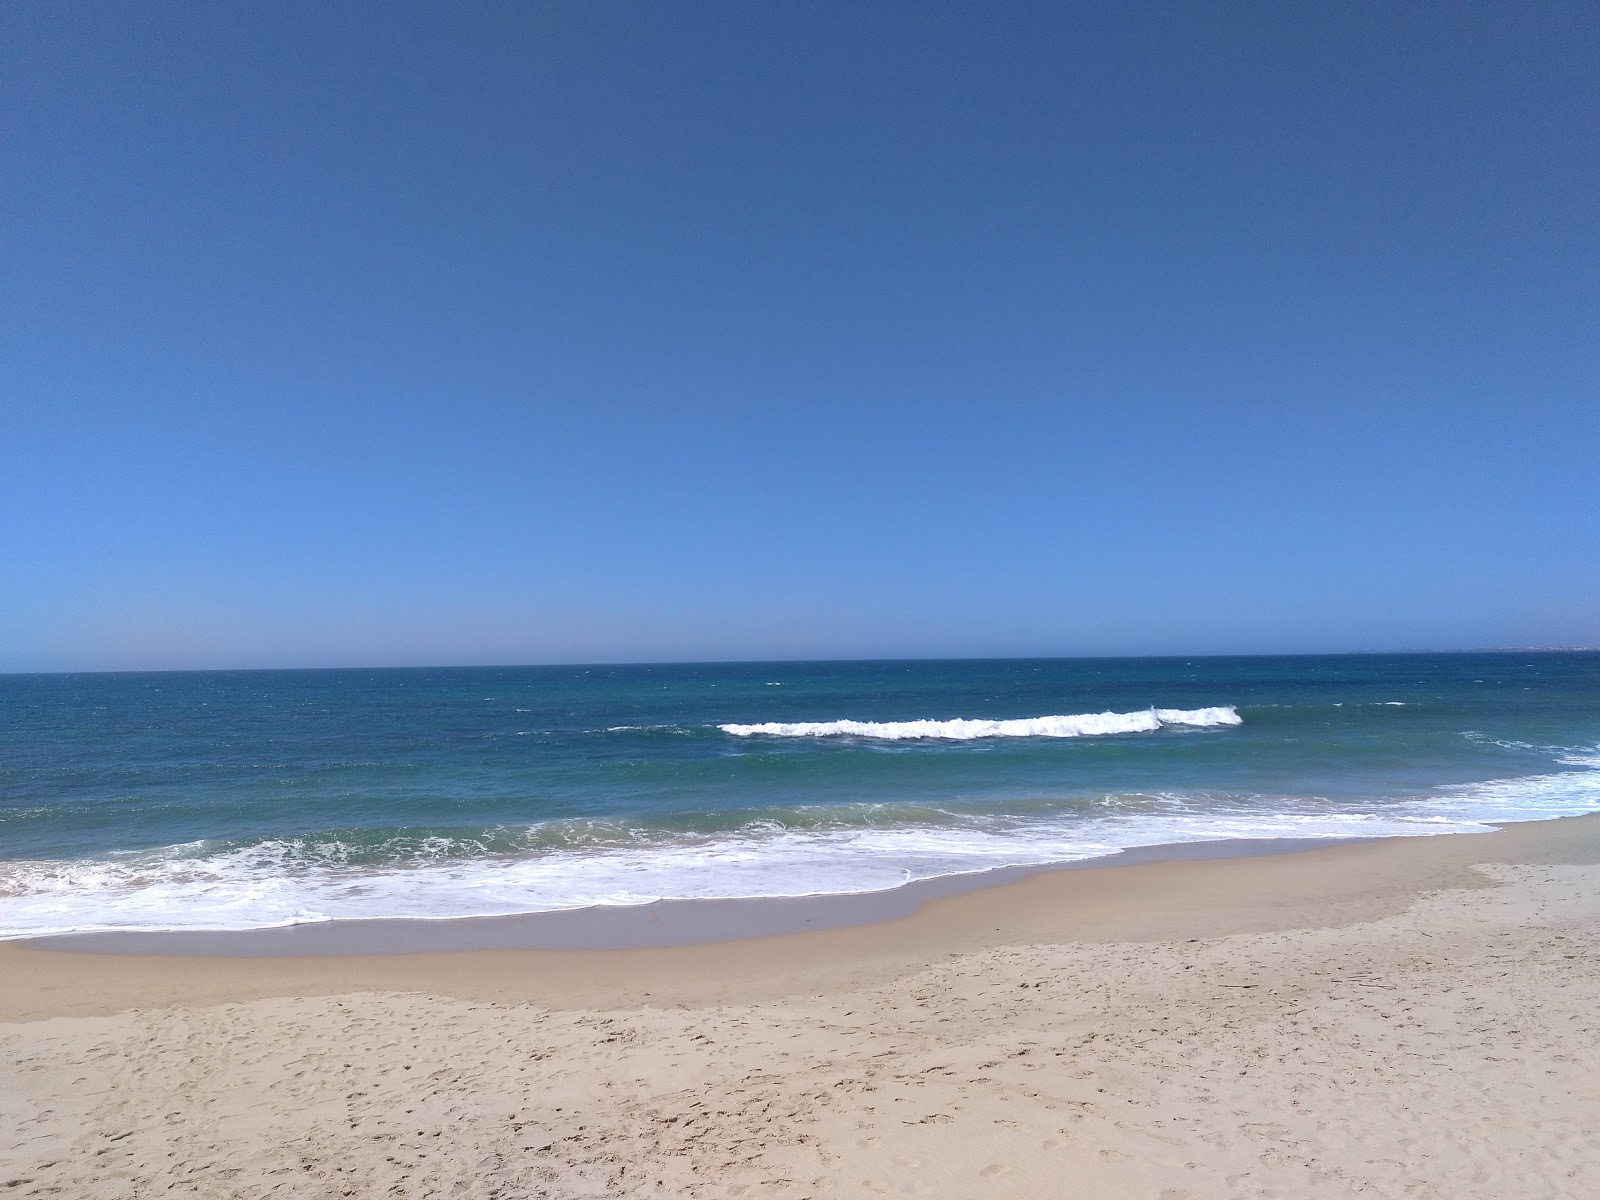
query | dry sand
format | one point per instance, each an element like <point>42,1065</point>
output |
<point>1415,1018</point>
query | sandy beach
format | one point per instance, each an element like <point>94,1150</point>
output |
<point>1412,1017</point>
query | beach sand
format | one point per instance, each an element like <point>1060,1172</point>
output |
<point>1412,1017</point>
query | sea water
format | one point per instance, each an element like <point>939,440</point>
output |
<point>234,800</point>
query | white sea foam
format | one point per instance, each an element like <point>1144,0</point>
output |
<point>962,729</point>
<point>281,882</point>
<point>257,887</point>
<point>1523,798</point>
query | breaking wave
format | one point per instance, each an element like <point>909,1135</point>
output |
<point>960,729</point>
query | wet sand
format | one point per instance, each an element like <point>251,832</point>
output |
<point>1401,1017</point>
<point>628,927</point>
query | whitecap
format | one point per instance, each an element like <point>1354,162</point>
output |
<point>962,729</point>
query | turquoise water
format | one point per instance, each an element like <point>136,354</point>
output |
<point>239,799</point>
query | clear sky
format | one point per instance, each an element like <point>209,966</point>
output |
<point>346,333</point>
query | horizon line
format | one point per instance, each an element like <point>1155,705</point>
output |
<point>755,662</point>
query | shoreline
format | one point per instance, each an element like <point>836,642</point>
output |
<point>1178,898</point>
<point>666,923</point>
<point>657,924</point>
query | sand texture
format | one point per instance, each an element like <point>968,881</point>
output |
<point>1447,1047</point>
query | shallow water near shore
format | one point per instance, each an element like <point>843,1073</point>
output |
<point>238,800</point>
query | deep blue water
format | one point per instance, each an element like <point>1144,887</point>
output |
<point>234,799</point>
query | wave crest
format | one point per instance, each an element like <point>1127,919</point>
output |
<point>962,730</point>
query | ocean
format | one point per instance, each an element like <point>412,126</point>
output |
<point>247,799</point>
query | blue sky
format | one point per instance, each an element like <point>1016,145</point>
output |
<point>341,333</point>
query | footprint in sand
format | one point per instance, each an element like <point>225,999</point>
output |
<point>994,1170</point>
